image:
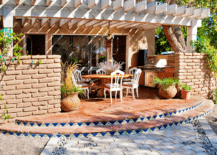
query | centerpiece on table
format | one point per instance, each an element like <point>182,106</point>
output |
<point>70,100</point>
<point>110,67</point>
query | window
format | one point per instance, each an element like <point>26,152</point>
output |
<point>85,50</point>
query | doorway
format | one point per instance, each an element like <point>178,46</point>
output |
<point>35,44</point>
<point>119,50</point>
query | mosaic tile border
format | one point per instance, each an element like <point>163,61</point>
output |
<point>108,123</point>
<point>111,133</point>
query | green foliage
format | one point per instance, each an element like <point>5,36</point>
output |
<point>161,42</point>
<point>65,90</point>
<point>167,82</point>
<point>39,61</point>
<point>214,96</point>
<point>204,46</point>
<point>186,87</point>
<point>7,39</point>
<point>4,115</point>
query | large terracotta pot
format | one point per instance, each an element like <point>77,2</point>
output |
<point>70,102</point>
<point>185,94</point>
<point>168,93</point>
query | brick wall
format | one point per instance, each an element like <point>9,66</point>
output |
<point>190,68</point>
<point>31,89</point>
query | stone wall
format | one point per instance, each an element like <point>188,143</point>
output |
<point>190,68</point>
<point>30,88</point>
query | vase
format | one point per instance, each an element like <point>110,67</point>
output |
<point>169,92</point>
<point>185,94</point>
<point>70,102</point>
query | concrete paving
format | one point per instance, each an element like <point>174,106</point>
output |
<point>170,141</point>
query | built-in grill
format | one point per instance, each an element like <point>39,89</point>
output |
<point>156,68</point>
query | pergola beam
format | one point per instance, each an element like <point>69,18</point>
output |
<point>77,3</point>
<point>129,5</point>
<point>63,22</point>
<point>205,13</point>
<point>17,2</point>
<point>188,12</point>
<point>171,9</point>
<point>34,21</point>
<point>44,21</point>
<point>63,3</point>
<point>53,21</point>
<point>48,2</point>
<point>24,20</point>
<point>92,23</point>
<point>118,4</point>
<point>180,10</point>
<point>81,23</point>
<point>33,2</point>
<point>141,6</point>
<point>105,4</point>
<point>95,14</point>
<point>73,22</point>
<point>92,3</point>
<point>151,7</point>
<point>161,8</point>
<point>100,23</point>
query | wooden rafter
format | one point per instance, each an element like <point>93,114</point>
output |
<point>33,2</point>
<point>53,21</point>
<point>44,21</point>
<point>48,2</point>
<point>63,22</point>
<point>24,21</point>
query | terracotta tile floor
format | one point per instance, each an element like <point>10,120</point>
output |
<point>99,109</point>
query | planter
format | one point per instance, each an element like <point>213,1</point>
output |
<point>70,102</point>
<point>168,93</point>
<point>186,94</point>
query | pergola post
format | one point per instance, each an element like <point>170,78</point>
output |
<point>8,14</point>
<point>192,34</point>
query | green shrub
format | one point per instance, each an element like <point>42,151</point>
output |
<point>186,87</point>
<point>214,96</point>
<point>65,90</point>
<point>167,82</point>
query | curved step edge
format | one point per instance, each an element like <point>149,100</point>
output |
<point>93,134</point>
<point>110,122</point>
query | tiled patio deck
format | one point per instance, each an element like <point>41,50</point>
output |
<point>97,116</point>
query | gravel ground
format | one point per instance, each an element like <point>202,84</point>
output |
<point>13,145</point>
<point>212,118</point>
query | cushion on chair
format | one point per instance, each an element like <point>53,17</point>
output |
<point>127,84</point>
<point>109,86</point>
<point>127,80</point>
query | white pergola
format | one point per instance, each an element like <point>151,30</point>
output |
<point>98,13</point>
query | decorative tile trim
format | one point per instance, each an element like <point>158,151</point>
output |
<point>108,123</point>
<point>111,133</point>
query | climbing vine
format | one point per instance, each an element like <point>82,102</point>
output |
<point>10,47</point>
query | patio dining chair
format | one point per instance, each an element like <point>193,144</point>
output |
<point>116,84</point>
<point>82,86</point>
<point>100,71</point>
<point>131,71</point>
<point>134,84</point>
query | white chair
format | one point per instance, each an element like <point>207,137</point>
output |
<point>134,84</point>
<point>100,71</point>
<point>116,84</point>
<point>90,71</point>
<point>77,75</point>
<point>82,86</point>
<point>131,71</point>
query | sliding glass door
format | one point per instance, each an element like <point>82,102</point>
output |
<point>85,50</point>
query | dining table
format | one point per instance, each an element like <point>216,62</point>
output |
<point>101,80</point>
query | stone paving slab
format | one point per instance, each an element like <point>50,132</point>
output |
<point>164,142</point>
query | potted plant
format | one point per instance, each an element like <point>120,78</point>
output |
<point>70,100</point>
<point>186,91</point>
<point>110,67</point>
<point>167,87</point>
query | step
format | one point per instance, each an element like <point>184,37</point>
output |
<point>138,127</point>
<point>72,119</point>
